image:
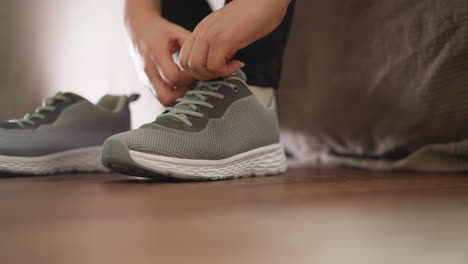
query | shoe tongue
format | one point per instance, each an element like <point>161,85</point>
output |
<point>239,74</point>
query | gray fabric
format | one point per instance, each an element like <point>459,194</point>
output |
<point>109,102</point>
<point>449,157</point>
<point>375,80</point>
<point>79,125</point>
<point>245,126</point>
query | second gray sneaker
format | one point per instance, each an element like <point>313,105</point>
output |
<point>218,130</point>
<point>65,134</point>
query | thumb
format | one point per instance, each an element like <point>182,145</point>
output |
<point>181,35</point>
<point>232,66</point>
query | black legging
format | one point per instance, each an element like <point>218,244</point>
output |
<point>263,58</point>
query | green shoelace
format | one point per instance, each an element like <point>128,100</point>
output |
<point>187,105</point>
<point>38,113</point>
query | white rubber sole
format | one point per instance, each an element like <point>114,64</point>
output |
<point>76,160</point>
<point>268,160</point>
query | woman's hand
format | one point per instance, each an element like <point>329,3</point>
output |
<point>207,53</point>
<point>155,40</point>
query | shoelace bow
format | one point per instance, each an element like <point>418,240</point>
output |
<point>46,107</point>
<point>194,98</point>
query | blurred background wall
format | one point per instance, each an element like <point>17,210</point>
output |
<point>21,73</point>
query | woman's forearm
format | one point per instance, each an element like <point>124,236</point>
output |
<point>136,8</point>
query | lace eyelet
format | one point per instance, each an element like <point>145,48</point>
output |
<point>236,89</point>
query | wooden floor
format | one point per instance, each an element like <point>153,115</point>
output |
<point>310,216</point>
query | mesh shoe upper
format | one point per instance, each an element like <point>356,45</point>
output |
<point>74,124</point>
<point>48,117</point>
<point>236,124</point>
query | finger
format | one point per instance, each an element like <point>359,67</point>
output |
<point>184,79</point>
<point>181,37</point>
<point>165,94</point>
<point>166,67</point>
<point>185,53</point>
<point>219,62</point>
<point>218,59</point>
<point>198,60</point>
<point>169,71</point>
<point>172,73</point>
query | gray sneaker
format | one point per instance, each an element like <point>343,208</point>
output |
<point>65,134</point>
<point>218,130</point>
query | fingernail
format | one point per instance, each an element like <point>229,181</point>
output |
<point>242,65</point>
